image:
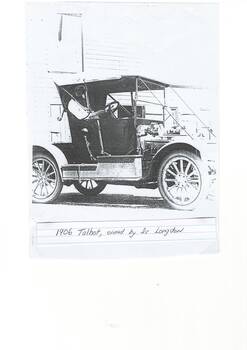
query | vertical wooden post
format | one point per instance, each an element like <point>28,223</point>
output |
<point>82,47</point>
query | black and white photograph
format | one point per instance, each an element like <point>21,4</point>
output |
<point>123,112</point>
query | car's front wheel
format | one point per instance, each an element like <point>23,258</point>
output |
<point>89,187</point>
<point>182,180</point>
<point>46,179</point>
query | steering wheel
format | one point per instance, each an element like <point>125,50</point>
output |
<point>112,107</point>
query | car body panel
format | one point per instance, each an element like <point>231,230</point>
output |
<point>56,153</point>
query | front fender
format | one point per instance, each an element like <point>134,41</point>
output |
<point>56,153</point>
<point>194,147</point>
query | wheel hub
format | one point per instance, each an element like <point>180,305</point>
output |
<point>42,177</point>
<point>181,180</point>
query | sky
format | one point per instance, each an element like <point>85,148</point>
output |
<point>173,42</point>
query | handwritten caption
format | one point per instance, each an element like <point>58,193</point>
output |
<point>124,231</point>
<point>130,232</point>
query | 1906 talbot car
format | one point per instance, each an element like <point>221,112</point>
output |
<point>114,140</point>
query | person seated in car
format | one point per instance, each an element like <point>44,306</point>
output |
<point>82,112</point>
<point>79,106</point>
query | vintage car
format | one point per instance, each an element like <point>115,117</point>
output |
<point>115,141</point>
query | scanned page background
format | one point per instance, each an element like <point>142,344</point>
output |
<point>193,302</point>
<point>171,42</point>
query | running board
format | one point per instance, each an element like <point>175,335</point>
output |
<point>107,168</point>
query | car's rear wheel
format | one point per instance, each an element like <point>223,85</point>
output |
<point>90,187</point>
<point>46,179</point>
<point>182,180</point>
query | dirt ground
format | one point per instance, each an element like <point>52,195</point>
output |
<point>116,202</point>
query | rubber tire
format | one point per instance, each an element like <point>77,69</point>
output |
<point>93,192</point>
<point>59,185</point>
<point>202,167</point>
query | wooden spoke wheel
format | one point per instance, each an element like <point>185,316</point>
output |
<point>46,180</point>
<point>182,180</point>
<point>90,187</point>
